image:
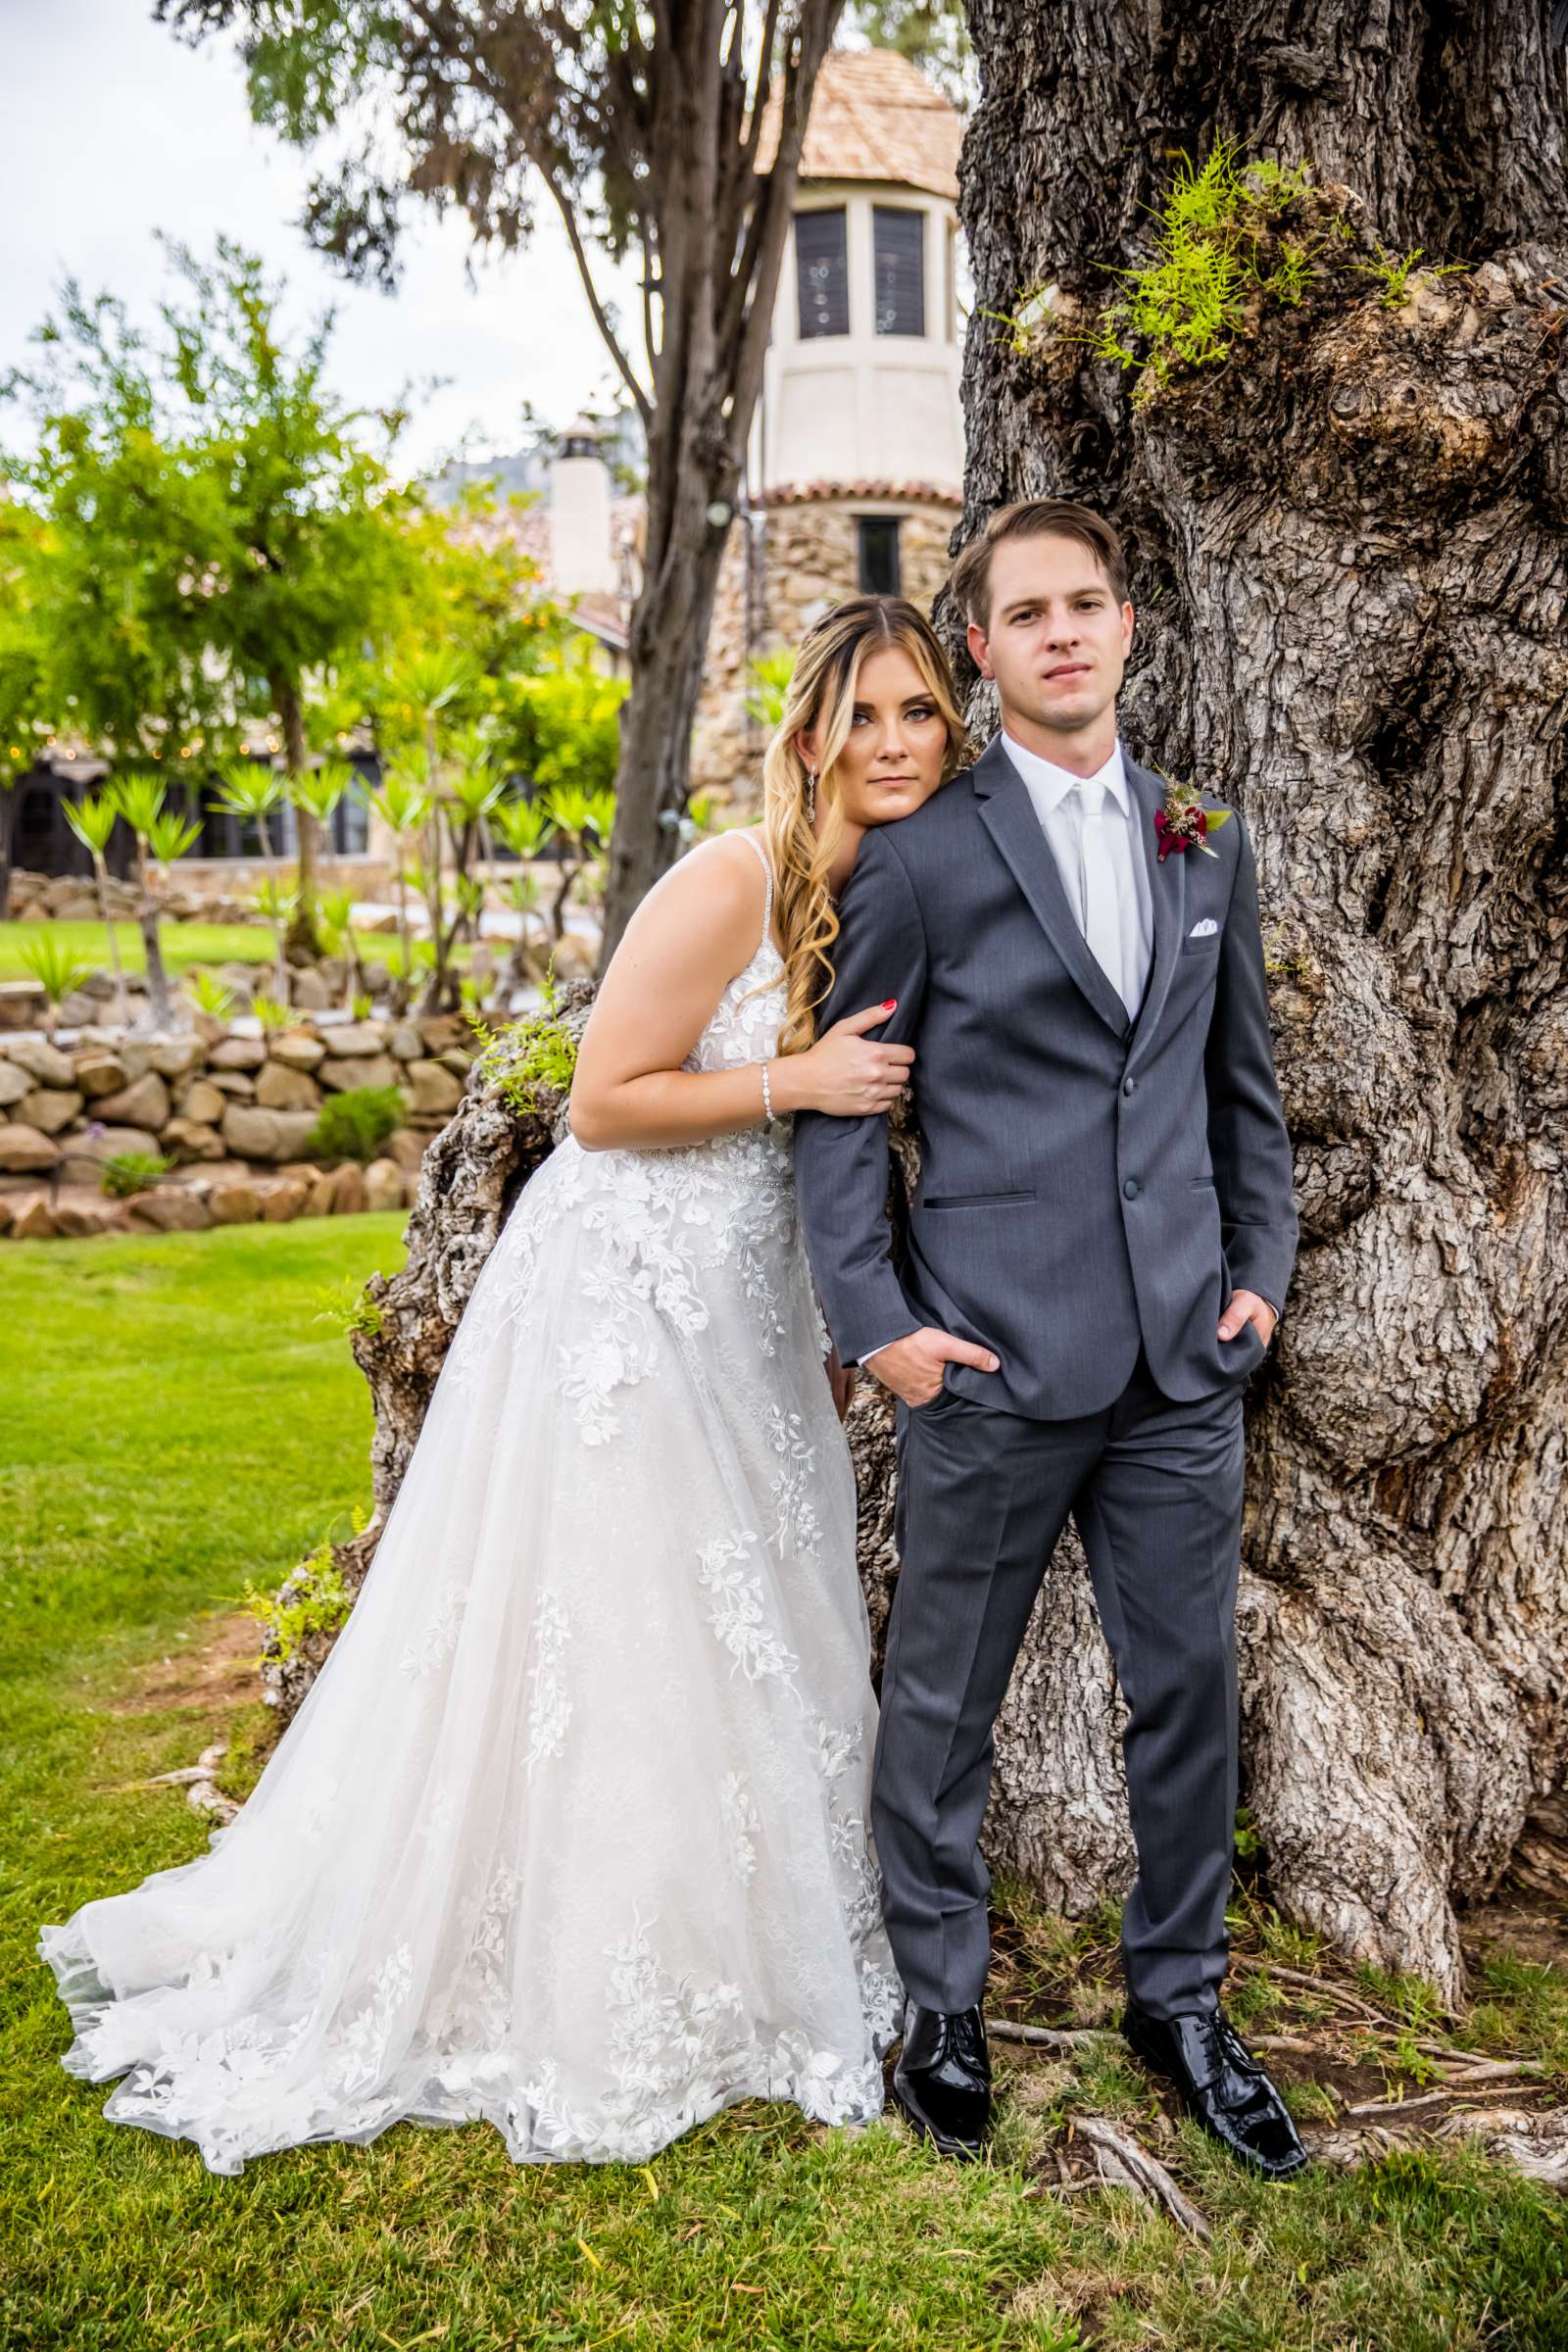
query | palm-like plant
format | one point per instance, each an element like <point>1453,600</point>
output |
<point>525,827</point>
<point>94,820</point>
<point>208,993</point>
<point>403,804</point>
<point>56,970</point>
<point>274,899</point>
<point>316,793</point>
<point>248,790</point>
<point>139,797</point>
<point>334,915</point>
<point>585,820</point>
<point>476,784</point>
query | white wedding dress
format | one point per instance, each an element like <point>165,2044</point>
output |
<point>569,1832</point>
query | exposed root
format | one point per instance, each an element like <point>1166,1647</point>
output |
<point>1123,2164</point>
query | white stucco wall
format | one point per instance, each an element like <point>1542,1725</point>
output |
<point>863,406</point>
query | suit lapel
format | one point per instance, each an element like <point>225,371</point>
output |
<point>1008,815</point>
<point>1167,890</point>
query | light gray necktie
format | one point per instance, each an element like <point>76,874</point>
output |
<point>1100,909</point>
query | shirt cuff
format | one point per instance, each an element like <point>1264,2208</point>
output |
<point>866,1353</point>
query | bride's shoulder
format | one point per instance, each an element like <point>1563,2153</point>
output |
<point>729,869</point>
<point>719,886</point>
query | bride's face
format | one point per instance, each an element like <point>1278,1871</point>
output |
<point>896,745</point>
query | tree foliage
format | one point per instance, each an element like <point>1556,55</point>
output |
<point>644,127</point>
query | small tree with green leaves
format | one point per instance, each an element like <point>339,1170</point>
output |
<point>673,133</point>
<point>221,526</point>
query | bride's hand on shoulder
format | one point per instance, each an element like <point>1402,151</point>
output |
<point>847,1073</point>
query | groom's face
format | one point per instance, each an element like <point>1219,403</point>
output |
<point>1056,639</point>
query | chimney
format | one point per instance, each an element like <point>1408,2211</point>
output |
<point>582,559</point>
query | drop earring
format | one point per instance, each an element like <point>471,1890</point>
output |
<point>811,796</point>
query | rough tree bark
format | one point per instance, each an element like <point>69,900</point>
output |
<point>1350,548</point>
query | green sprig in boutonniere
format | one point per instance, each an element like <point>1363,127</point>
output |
<point>1181,824</point>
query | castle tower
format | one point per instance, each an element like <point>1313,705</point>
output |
<point>856,461</point>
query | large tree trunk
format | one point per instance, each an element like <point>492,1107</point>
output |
<point>1350,555</point>
<point>667,642</point>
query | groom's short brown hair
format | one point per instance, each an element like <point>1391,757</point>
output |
<point>1035,518</point>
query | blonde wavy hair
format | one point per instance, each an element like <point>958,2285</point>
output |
<point>821,698</point>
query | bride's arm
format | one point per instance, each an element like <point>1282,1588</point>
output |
<point>695,930</point>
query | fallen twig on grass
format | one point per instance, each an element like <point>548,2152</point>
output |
<point>1125,2165</point>
<point>1429,2098</point>
<point>1324,1989</point>
<point>201,1791</point>
<point>1049,2037</point>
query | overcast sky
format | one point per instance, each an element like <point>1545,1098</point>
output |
<point>114,129</point>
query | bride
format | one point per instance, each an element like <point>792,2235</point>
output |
<point>569,1833</point>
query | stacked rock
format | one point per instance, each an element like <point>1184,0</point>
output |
<point>233,1107</point>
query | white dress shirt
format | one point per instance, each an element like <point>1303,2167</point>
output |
<point>1052,793</point>
<point>1058,803</point>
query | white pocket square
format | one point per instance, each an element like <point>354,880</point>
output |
<point>1201,930</point>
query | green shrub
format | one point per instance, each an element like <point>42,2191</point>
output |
<point>127,1172</point>
<point>354,1124</point>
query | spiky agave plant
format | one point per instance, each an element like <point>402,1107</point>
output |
<point>58,971</point>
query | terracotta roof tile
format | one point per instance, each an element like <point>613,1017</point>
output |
<point>800,494</point>
<point>874,117</point>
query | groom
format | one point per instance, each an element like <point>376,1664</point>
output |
<point>1099,1252</point>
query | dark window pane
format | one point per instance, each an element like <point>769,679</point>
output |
<point>822,273</point>
<point>900,243</point>
<point>878,554</point>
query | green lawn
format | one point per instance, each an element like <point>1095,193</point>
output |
<point>184,944</point>
<point>175,1423</point>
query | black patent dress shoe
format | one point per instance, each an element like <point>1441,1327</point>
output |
<point>1222,2083</point>
<point>942,2082</point>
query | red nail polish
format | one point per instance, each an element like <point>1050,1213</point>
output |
<point>891,1005</point>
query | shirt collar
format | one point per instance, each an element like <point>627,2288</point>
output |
<point>1049,784</point>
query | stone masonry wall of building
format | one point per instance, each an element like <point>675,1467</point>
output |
<point>807,563</point>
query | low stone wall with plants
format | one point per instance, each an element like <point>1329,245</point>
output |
<point>288,1117</point>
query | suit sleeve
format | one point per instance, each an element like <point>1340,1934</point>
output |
<point>840,1165</point>
<point>1249,1143</point>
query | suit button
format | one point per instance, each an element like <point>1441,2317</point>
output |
<point>1130,1188</point>
<point>1127,1085</point>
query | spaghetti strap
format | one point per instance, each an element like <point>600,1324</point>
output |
<point>749,833</point>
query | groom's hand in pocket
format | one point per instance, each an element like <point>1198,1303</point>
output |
<point>1246,1306</point>
<point>911,1367</point>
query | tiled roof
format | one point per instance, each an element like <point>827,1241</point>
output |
<point>800,494</point>
<point>874,117</point>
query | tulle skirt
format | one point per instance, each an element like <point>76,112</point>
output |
<point>569,1833</point>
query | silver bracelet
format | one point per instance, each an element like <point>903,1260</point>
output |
<point>767,1097</point>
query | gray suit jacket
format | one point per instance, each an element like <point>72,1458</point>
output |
<point>1087,1181</point>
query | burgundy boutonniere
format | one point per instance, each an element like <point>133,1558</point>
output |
<point>1183,823</point>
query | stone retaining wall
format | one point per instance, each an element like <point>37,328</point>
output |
<point>232,1104</point>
